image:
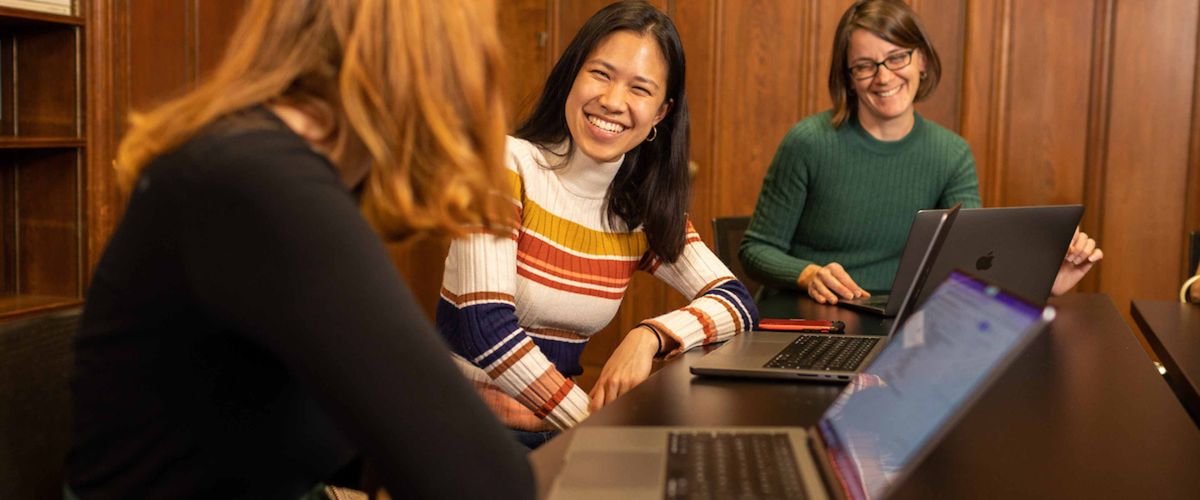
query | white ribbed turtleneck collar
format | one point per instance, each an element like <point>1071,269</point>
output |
<point>584,176</point>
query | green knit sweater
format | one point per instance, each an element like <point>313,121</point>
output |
<point>840,195</point>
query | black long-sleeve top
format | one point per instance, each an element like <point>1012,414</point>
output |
<point>245,335</point>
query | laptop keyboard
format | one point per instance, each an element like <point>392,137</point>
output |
<point>720,465</point>
<point>823,352</point>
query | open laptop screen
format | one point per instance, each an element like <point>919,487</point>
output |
<point>941,357</point>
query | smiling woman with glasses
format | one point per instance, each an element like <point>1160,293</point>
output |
<point>840,195</point>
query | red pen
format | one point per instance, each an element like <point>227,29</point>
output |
<point>802,325</point>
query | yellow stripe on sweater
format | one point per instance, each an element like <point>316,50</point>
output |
<point>579,238</point>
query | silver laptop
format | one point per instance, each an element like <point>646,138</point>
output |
<point>879,428</point>
<point>1018,248</point>
<point>817,356</point>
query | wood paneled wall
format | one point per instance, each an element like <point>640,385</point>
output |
<point>1072,101</point>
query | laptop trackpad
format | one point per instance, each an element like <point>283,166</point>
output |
<point>610,473</point>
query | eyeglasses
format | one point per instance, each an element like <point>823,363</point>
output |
<point>894,62</point>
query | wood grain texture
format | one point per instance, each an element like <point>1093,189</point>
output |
<point>1191,218</point>
<point>7,123</point>
<point>103,203</point>
<point>756,95</point>
<point>8,226</point>
<point>1047,103</point>
<point>1099,101</point>
<point>48,229</point>
<point>525,32</point>
<point>823,22</point>
<point>158,54</point>
<point>1153,83</point>
<point>43,108</point>
<point>944,24</point>
<point>214,21</point>
<point>979,90</point>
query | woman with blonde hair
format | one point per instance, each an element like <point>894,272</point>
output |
<point>245,333</point>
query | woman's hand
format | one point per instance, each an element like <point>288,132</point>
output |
<point>1081,255</point>
<point>628,366</point>
<point>825,284</point>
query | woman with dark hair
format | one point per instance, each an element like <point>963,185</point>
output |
<point>246,334</point>
<point>599,178</point>
<point>839,197</point>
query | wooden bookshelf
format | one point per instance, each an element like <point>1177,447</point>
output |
<point>10,17</point>
<point>41,142</point>
<point>43,161</point>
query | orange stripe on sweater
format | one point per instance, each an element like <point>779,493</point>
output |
<point>590,278</point>
<point>710,328</point>
<point>607,265</point>
<point>554,400</point>
<point>737,318</point>
<point>556,333</point>
<point>459,300</point>
<point>712,284</point>
<point>511,360</point>
<point>529,275</point>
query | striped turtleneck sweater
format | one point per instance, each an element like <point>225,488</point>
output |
<point>841,195</point>
<point>518,311</point>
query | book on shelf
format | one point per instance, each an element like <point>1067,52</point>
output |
<point>61,7</point>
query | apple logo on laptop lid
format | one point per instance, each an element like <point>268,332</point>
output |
<point>984,263</point>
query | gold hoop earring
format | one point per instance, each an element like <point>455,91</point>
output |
<point>653,134</point>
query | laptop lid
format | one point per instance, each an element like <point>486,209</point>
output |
<point>943,357</point>
<point>921,234</point>
<point>908,300</point>
<point>1017,248</point>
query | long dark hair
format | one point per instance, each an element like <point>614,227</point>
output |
<point>891,20</point>
<point>651,187</point>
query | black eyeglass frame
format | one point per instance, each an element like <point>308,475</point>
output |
<point>876,64</point>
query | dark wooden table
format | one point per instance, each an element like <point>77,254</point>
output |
<point>1172,329</point>
<point>1081,413</point>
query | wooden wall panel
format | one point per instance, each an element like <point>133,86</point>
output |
<point>525,31</point>
<point>103,203</point>
<point>697,22</point>
<point>159,51</point>
<point>215,21</point>
<point>759,51</point>
<point>944,23</point>
<point>1048,102</point>
<point>1153,81</point>
<point>984,82</point>
<point>1191,219</point>
<point>821,22</point>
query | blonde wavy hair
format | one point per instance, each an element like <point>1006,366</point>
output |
<point>411,87</point>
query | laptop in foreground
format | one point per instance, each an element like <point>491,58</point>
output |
<point>817,356</point>
<point>1019,248</point>
<point>876,432</point>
